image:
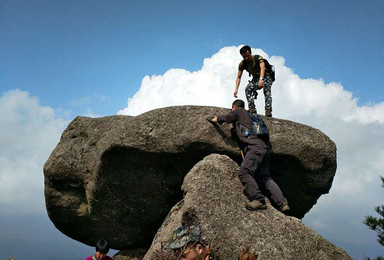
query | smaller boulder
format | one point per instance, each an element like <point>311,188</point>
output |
<point>214,200</point>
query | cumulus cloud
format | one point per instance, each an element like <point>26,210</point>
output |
<point>28,134</point>
<point>358,131</point>
<point>212,85</point>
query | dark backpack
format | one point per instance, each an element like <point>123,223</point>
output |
<point>259,128</point>
<point>268,67</point>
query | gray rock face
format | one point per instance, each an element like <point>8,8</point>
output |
<point>214,200</point>
<point>117,177</point>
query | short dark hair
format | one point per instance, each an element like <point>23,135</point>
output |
<point>244,49</point>
<point>238,103</point>
<point>102,246</point>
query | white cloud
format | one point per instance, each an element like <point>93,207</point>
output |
<point>357,131</point>
<point>28,134</point>
<point>368,114</point>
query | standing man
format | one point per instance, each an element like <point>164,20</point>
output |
<point>260,80</point>
<point>255,166</point>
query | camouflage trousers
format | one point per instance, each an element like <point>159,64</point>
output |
<point>251,92</point>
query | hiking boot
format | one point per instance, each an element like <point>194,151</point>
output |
<point>268,112</point>
<point>252,110</point>
<point>284,208</point>
<point>255,205</point>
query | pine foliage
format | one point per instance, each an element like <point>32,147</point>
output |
<point>377,224</point>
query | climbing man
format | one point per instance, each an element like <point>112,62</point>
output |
<point>255,166</point>
<point>261,79</point>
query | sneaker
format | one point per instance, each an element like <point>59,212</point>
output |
<point>255,205</point>
<point>268,113</point>
<point>284,208</point>
<point>252,110</point>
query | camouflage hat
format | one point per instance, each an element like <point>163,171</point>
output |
<point>183,235</point>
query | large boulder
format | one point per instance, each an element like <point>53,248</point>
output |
<point>213,200</point>
<point>117,177</point>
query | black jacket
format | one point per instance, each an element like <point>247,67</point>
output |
<point>237,117</point>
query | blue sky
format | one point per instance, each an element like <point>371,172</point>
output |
<point>61,59</point>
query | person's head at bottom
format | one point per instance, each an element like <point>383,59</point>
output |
<point>187,244</point>
<point>102,249</point>
<point>192,251</point>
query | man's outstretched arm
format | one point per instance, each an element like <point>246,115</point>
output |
<point>238,79</point>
